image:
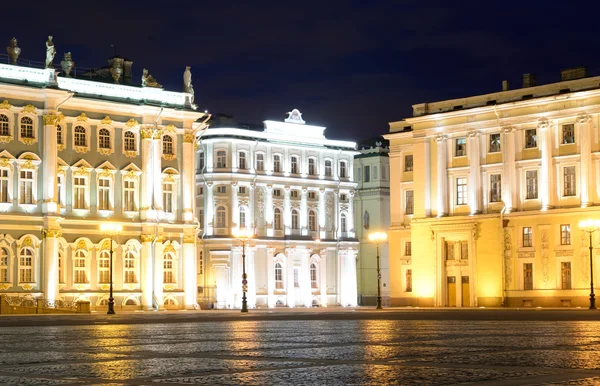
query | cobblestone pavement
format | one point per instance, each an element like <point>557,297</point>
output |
<point>304,352</point>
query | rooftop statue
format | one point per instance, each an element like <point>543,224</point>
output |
<point>148,80</point>
<point>50,52</point>
<point>187,82</point>
<point>13,50</point>
<point>67,64</point>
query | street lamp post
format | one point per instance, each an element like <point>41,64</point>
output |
<point>244,235</point>
<point>378,237</point>
<point>590,226</point>
<point>111,229</point>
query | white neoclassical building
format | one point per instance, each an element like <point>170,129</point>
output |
<point>294,189</point>
<point>76,152</point>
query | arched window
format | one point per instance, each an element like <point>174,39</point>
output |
<point>343,167</point>
<point>294,165</point>
<point>328,168</point>
<point>312,220</point>
<point>4,265</point>
<point>80,136</point>
<point>168,190</point>
<point>167,144</point>
<point>130,268</point>
<point>129,195</point>
<point>278,276</point>
<point>312,167</point>
<point>4,173</point>
<point>242,160</point>
<point>104,267</point>
<point>221,159</point>
<point>26,265</point>
<point>169,302</point>
<point>4,125</point>
<point>168,276</point>
<point>277,219</point>
<point>260,162</point>
<point>295,219</point>
<point>243,216</point>
<point>26,127</point>
<point>313,276</point>
<point>221,217</point>
<point>104,139</point>
<point>343,223</point>
<point>59,135</point>
<point>129,141</point>
<point>277,163</point>
<point>79,267</point>
<point>130,302</point>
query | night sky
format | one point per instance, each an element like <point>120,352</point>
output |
<point>352,66</point>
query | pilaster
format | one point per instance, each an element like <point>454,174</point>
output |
<point>442,176</point>
<point>545,183</point>
<point>508,160</point>
<point>474,174</point>
<point>584,122</point>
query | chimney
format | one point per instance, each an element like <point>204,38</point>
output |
<point>505,85</point>
<point>573,73</point>
<point>127,71</point>
<point>528,80</point>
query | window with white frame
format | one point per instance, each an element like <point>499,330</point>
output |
<point>410,202</point>
<point>79,192</point>
<point>221,189</point>
<point>168,199</point>
<point>277,163</point>
<point>568,133</point>
<point>129,187</point>
<point>27,128</point>
<point>242,160</point>
<point>168,274</point>
<point>343,168</point>
<point>343,197</point>
<point>313,276</point>
<point>243,217</point>
<point>328,168</point>
<point>343,223</point>
<point>294,165</point>
<point>260,162</point>
<point>294,194</point>
<point>277,219</point>
<point>495,187</point>
<point>79,267</point>
<point>4,126</point>
<point>129,139</point>
<point>104,138</point>
<point>367,173</point>
<point>278,276</point>
<point>375,173</point>
<point>201,161</point>
<point>408,163</point>
<point>461,191</point>
<point>129,261</point>
<point>4,178</point>
<point>80,136</point>
<point>276,192</point>
<point>495,143</point>
<point>167,145</point>
<point>569,181</point>
<point>312,195</point>
<point>530,138</point>
<point>460,147</point>
<point>104,267</point>
<point>527,237</point>
<point>221,217</point>
<point>201,263</point>
<point>104,193</point>
<point>295,219</point>
<point>312,167</point>
<point>59,135</point>
<point>242,190</point>
<point>4,269</point>
<point>312,220</point>
<point>26,187</point>
<point>531,181</point>
<point>26,265</point>
<point>565,234</point>
<point>221,159</point>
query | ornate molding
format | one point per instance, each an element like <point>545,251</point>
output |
<point>188,138</point>
<point>440,138</point>
<point>82,118</point>
<point>526,255</point>
<point>80,149</point>
<point>170,129</point>
<point>189,239</point>
<point>51,119</point>
<point>5,105</point>
<point>106,120</point>
<point>507,258</point>
<point>543,123</point>
<point>168,157</point>
<point>81,244</point>
<point>6,163</point>
<point>564,253</point>
<point>29,109</point>
<point>82,172</point>
<point>130,153</point>
<point>147,238</point>
<point>583,118</point>
<point>146,133</point>
<point>61,147</point>
<point>28,141</point>
<point>169,248</point>
<point>105,151</point>
<point>6,138</point>
<point>28,165</point>
<point>507,129</point>
<point>52,233</point>
<point>545,245</point>
<point>132,123</point>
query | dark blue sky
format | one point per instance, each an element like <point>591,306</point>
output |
<point>352,66</point>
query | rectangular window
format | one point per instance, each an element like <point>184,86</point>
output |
<point>495,143</point>
<point>312,195</point>
<point>408,248</point>
<point>260,162</point>
<point>79,193</point>
<point>3,185</point>
<point>565,273</point>
<point>410,202</point>
<point>296,281</point>
<point>201,263</point>
<point>312,170</point>
<point>276,192</point>
<point>221,159</point>
<point>528,276</point>
<point>367,174</point>
<point>495,188</point>
<point>129,196</point>
<point>201,162</point>
<point>460,147</point>
<point>527,237</point>
<point>343,169</point>
<point>221,189</point>
<point>461,191</point>
<point>201,218</point>
<point>328,169</point>
<point>449,250</point>
<point>565,234</point>
<point>569,181</point>
<point>294,165</point>
<point>26,268</point>
<point>103,194</point>
<point>168,197</point>
<point>408,279</point>
<point>530,138</point>
<point>359,174</point>
<point>276,164</point>
<point>242,160</point>
<point>532,184</point>
<point>242,190</point>
<point>408,163</point>
<point>26,187</point>
<point>568,132</point>
<point>464,250</point>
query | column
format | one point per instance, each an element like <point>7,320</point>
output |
<point>157,171</point>
<point>269,211</point>
<point>235,208</point>
<point>545,181</point>
<point>158,272</point>
<point>509,186</point>
<point>146,278</point>
<point>188,178</point>
<point>49,164</point>
<point>289,283</point>
<point>287,212</point>
<point>323,277</point>
<point>442,176</point>
<point>50,272</point>
<point>251,205</point>
<point>322,215</point>
<point>337,214</point>
<point>147,173</point>
<point>251,271</point>
<point>350,218</point>
<point>342,287</point>
<point>270,278</point>
<point>351,277</point>
<point>190,277</point>
<point>474,174</point>
<point>305,283</point>
<point>209,208</point>
<point>586,179</point>
<point>303,212</point>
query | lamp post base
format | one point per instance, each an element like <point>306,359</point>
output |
<point>379,307</point>
<point>592,302</point>
<point>244,304</point>
<point>111,307</point>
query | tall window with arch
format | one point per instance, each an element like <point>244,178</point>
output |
<point>167,142</point>
<point>129,138</point>
<point>295,219</point>
<point>260,162</point>
<point>26,265</point>
<point>80,136</point>
<point>243,217</point>
<point>79,267</point>
<point>130,267</point>
<point>343,167</point>
<point>59,135</point>
<point>277,219</point>
<point>4,126</point>
<point>294,165</point>
<point>168,190</point>
<point>278,276</point>
<point>104,267</point>
<point>312,167</point>
<point>221,217</point>
<point>328,168</point>
<point>129,195</point>
<point>201,162</point>
<point>242,160</point>
<point>104,139</point>
<point>312,220</point>
<point>4,173</point>
<point>27,127</point>
<point>168,274</point>
<point>26,187</point>
<point>313,276</point>
<point>79,187</point>
<point>277,163</point>
<point>221,159</point>
<point>104,193</point>
<point>343,223</point>
<point>4,268</point>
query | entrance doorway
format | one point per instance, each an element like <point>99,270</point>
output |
<point>451,291</point>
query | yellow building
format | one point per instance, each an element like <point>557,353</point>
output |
<point>487,193</point>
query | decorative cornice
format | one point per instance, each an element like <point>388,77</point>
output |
<point>5,105</point>
<point>106,120</point>
<point>188,138</point>
<point>169,129</point>
<point>29,109</point>
<point>543,123</point>
<point>132,123</point>
<point>82,118</point>
<point>583,118</point>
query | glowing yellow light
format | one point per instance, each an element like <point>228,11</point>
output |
<point>377,237</point>
<point>589,225</point>
<point>111,228</point>
<point>243,233</point>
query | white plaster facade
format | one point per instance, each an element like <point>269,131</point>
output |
<point>295,189</point>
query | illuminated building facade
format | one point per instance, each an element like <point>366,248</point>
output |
<point>294,189</point>
<point>488,192</point>
<point>372,214</point>
<point>76,152</point>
